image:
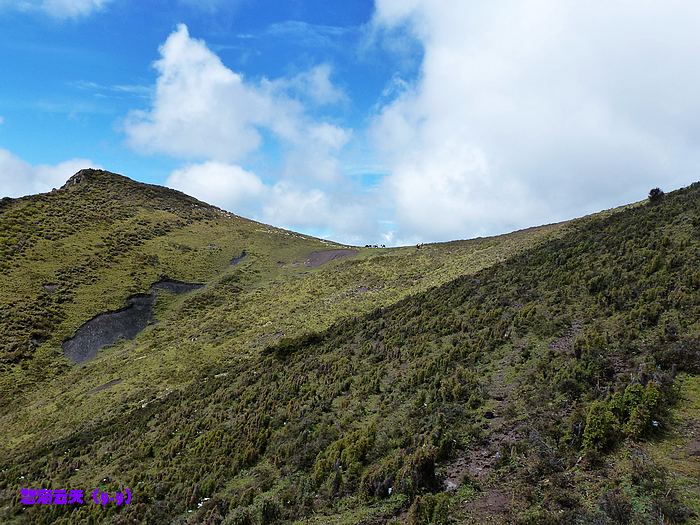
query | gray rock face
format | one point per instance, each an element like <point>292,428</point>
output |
<point>239,258</point>
<point>107,328</point>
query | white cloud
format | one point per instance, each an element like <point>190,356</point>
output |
<point>316,36</point>
<point>225,185</point>
<point>218,120</point>
<point>18,178</point>
<point>201,108</point>
<point>336,213</point>
<point>530,111</point>
<point>204,110</point>
<point>314,156</point>
<point>314,85</point>
<point>56,8</point>
<point>285,203</point>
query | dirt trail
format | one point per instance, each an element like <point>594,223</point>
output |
<point>316,259</point>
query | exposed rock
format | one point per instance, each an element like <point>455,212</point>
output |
<point>79,178</point>
<point>105,386</point>
<point>239,258</point>
<point>107,328</point>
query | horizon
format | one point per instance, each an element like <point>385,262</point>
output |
<point>383,122</point>
<point>365,244</point>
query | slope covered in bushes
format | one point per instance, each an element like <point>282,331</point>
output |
<point>515,394</point>
<point>85,249</point>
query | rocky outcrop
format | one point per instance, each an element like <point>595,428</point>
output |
<point>108,328</point>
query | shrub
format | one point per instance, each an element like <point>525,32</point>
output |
<point>418,472</point>
<point>656,195</point>
<point>645,407</point>
<point>430,509</point>
<point>616,507</point>
<point>601,429</point>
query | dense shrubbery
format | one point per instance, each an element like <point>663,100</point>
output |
<point>577,340</point>
<point>633,413</point>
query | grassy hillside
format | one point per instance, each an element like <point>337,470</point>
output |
<point>67,255</point>
<point>72,254</point>
<point>538,387</point>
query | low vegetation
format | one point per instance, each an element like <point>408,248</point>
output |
<point>535,384</point>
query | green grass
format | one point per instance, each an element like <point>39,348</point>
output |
<point>243,309</point>
<point>283,393</point>
<point>678,451</point>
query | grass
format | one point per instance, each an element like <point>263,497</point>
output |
<point>270,294</point>
<point>280,393</point>
<point>678,451</point>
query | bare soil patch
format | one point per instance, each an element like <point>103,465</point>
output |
<point>316,259</point>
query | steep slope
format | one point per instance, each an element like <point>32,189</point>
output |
<point>80,255</point>
<point>515,394</point>
<point>71,254</point>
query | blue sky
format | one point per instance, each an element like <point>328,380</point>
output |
<point>367,122</point>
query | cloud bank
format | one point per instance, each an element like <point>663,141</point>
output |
<point>532,111</point>
<point>522,113</point>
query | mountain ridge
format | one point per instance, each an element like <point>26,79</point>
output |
<point>456,398</point>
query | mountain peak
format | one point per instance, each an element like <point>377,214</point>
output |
<point>89,174</point>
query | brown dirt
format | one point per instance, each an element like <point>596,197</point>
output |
<point>565,343</point>
<point>316,259</point>
<point>693,448</point>
<point>479,461</point>
<point>494,501</point>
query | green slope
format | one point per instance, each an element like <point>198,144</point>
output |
<point>74,253</point>
<point>536,388</point>
<point>70,254</point>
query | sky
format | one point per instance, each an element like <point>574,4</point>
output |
<point>381,122</point>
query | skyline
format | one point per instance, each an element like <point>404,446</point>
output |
<point>389,122</point>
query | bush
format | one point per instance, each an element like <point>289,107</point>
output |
<point>430,509</point>
<point>418,472</point>
<point>616,507</point>
<point>637,407</point>
<point>267,511</point>
<point>656,195</point>
<point>238,516</point>
<point>602,428</point>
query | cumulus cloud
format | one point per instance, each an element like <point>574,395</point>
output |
<point>314,84</point>
<point>528,111</point>
<point>315,155</point>
<point>18,178</point>
<point>225,185</point>
<point>204,110</point>
<point>201,108</point>
<point>296,205</point>
<point>212,116</point>
<point>56,8</point>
